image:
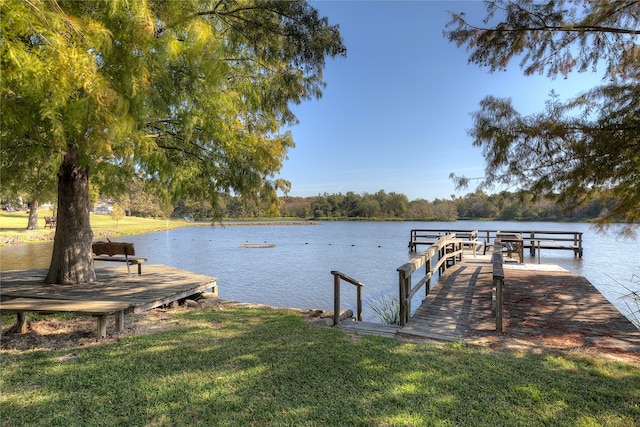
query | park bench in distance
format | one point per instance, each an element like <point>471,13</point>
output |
<point>49,221</point>
<point>117,252</point>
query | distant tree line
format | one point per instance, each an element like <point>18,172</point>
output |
<point>383,205</point>
<point>507,206</point>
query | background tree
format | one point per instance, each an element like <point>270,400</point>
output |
<point>444,210</point>
<point>145,201</point>
<point>420,209</point>
<point>575,149</point>
<point>395,205</point>
<point>477,205</point>
<point>117,213</point>
<point>35,183</point>
<point>369,207</point>
<point>296,207</point>
<point>191,95</point>
<point>320,207</point>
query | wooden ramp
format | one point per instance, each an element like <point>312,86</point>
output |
<point>370,328</point>
<point>459,306</point>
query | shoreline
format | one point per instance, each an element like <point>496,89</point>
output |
<point>11,237</point>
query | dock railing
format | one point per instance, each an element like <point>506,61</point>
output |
<point>337,278</point>
<point>445,250</point>
<point>498,283</point>
<point>534,240</point>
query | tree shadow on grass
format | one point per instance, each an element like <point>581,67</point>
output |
<point>268,367</point>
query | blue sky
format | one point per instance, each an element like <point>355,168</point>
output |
<point>395,113</point>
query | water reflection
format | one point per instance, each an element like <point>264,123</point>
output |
<point>22,257</point>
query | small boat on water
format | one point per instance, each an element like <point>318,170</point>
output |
<point>258,245</point>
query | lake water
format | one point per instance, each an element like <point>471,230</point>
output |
<point>296,272</point>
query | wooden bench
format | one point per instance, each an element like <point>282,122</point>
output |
<point>512,242</point>
<point>100,309</point>
<point>117,252</point>
<point>470,241</point>
<point>49,221</point>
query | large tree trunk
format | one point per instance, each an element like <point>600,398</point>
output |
<point>33,215</point>
<point>72,261</point>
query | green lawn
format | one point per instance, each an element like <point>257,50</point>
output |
<point>241,366</point>
<point>237,367</point>
<point>13,226</point>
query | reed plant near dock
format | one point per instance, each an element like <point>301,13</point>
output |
<point>631,298</point>
<point>241,366</point>
<point>387,308</point>
<point>634,307</point>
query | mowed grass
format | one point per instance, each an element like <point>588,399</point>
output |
<point>13,226</point>
<point>243,367</point>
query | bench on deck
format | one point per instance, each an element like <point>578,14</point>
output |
<point>99,309</point>
<point>470,241</point>
<point>512,242</point>
<point>117,252</point>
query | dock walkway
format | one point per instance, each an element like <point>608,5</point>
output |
<point>543,304</point>
<point>459,306</point>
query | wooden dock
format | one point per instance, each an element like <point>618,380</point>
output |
<point>459,306</point>
<point>115,292</point>
<point>543,304</point>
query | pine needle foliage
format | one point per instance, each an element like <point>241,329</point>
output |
<point>574,150</point>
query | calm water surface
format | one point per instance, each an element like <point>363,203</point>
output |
<point>296,272</point>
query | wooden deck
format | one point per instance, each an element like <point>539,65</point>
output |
<point>542,303</point>
<point>115,292</point>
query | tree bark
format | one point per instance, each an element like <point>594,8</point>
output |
<point>71,261</point>
<point>33,215</point>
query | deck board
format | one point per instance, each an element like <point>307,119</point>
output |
<point>458,306</point>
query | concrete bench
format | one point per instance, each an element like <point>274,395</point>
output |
<point>99,309</point>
